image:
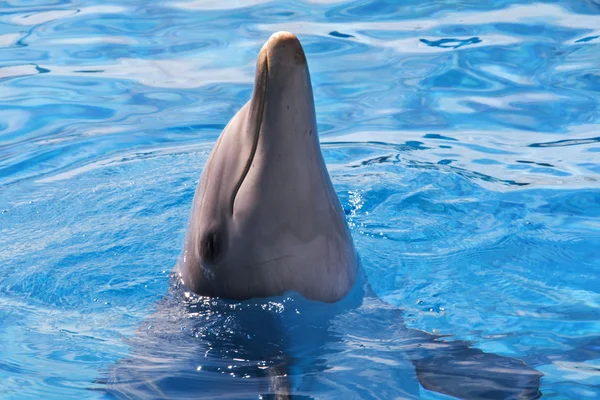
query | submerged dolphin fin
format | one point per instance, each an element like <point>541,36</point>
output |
<point>456,369</point>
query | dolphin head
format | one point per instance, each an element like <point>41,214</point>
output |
<point>265,218</point>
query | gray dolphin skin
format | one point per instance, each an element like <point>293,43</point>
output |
<point>282,304</point>
<point>265,218</point>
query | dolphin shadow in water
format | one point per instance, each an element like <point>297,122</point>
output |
<point>266,222</point>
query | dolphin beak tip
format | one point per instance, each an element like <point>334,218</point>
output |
<point>285,48</point>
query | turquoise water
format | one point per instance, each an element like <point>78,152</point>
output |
<point>463,139</point>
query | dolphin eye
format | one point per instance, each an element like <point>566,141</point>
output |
<point>211,247</point>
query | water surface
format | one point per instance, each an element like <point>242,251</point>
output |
<point>463,139</point>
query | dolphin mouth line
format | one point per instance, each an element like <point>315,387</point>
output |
<point>261,87</point>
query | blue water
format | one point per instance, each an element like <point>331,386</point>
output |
<point>462,137</point>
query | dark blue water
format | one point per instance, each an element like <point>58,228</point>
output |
<point>463,139</point>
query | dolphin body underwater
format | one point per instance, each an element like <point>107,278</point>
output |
<point>268,298</point>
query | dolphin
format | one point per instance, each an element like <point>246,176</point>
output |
<point>268,297</point>
<point>265,217</point>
